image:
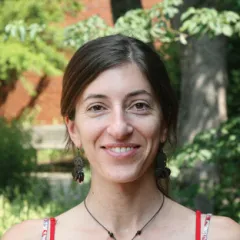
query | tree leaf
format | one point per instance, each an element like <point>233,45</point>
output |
<point>22,32</point>
<point>188,13</point>
<point>227,30</point>
<point>182,39</point>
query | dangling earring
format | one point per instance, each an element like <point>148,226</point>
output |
<point>161,170</point>
<point>78,174</point>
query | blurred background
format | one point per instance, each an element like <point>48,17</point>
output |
<point>199,41</point>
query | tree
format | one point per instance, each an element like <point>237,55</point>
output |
<point>204,83</point>
<point>31,40</point>
<point>204,80</point>
<point>119,8</point>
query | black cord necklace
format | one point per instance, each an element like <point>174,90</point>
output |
<point>139,232</point>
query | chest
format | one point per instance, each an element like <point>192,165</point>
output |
<point>169,232</point>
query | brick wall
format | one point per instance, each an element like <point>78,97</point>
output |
<point>48,104</point>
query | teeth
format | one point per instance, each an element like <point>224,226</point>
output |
<point>122,149</point>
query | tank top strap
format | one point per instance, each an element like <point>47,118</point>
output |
<point>48,228</point>
<point>205,227</point>
<point>198,225</point>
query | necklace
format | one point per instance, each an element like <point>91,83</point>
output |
<point>139,232</point>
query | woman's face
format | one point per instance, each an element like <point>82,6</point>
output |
<point>118,124</point>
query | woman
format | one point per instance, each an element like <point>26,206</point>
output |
<point>120,109</point>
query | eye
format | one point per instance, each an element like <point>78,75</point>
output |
<point>96,108</point>
<point>140,107</point>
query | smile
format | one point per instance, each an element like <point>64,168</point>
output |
<point>121,149</point>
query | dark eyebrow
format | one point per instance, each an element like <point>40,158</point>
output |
<point>131,94</point>
<point>138,92</point>
<point>94,96</point>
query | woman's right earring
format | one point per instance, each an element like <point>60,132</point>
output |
<point>78,174</point>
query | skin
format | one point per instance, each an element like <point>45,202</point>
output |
<point>119,109</point>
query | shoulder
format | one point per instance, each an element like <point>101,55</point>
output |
<point>222,228</point>
<point>27,230</point>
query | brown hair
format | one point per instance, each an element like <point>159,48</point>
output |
<point>101,54</point>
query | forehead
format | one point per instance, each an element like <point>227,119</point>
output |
<point>118,81</point>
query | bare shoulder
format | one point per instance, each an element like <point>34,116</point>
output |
<point>27,230</point>
<point>222,228</point>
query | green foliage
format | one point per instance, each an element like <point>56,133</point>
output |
<point>147,25</point>
<point>41,200</point>
<point>41,12</point>
<point>30,40</point>
<point>17,58</point>
<point>135,23</point>
<point>160,15</point>
<point>77,34</point>
<point>53,155</point>
<point>19,30</point>
<point>153,24</point>
<point>17,157</point>
<point>219,147</point>
<point>168,8</point>
<point>206,20</point>
<point>22,48</point>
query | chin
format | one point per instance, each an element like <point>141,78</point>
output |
<point>122,176</point>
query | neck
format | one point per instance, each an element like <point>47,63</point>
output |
<point>124,208</point>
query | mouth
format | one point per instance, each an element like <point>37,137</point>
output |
<point>121,149</point>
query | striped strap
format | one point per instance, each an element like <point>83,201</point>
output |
<point>48,224</point>
<point>206,226</point>
<point>45,229</point>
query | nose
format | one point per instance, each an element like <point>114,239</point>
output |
<point>119,127</point>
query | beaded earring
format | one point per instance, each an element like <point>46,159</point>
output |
<point>161,170</point>
<point>78,174</point>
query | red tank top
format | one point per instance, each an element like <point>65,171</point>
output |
<point>50,224</point>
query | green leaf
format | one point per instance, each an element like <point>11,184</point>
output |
<point>188,13</point>
<point>206,153</point>
<point>22,32</point>
<point>182,39</point>
<point>185,26</point>
<point>227,30</point>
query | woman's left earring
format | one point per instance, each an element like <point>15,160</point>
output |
<point>78,174</point>
<point>161,170</point>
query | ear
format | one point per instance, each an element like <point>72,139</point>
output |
<point>164,134</point>
<point>164,131</point>
<point>73,131</point>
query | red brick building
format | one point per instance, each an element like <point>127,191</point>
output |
<point>48,103</point>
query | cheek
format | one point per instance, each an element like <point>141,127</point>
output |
<point>151,132</point>
<point>149,127</point>
<point>90,130</point>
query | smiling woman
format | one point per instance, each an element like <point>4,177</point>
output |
<point>119,107</point>
<point>118,118</point>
